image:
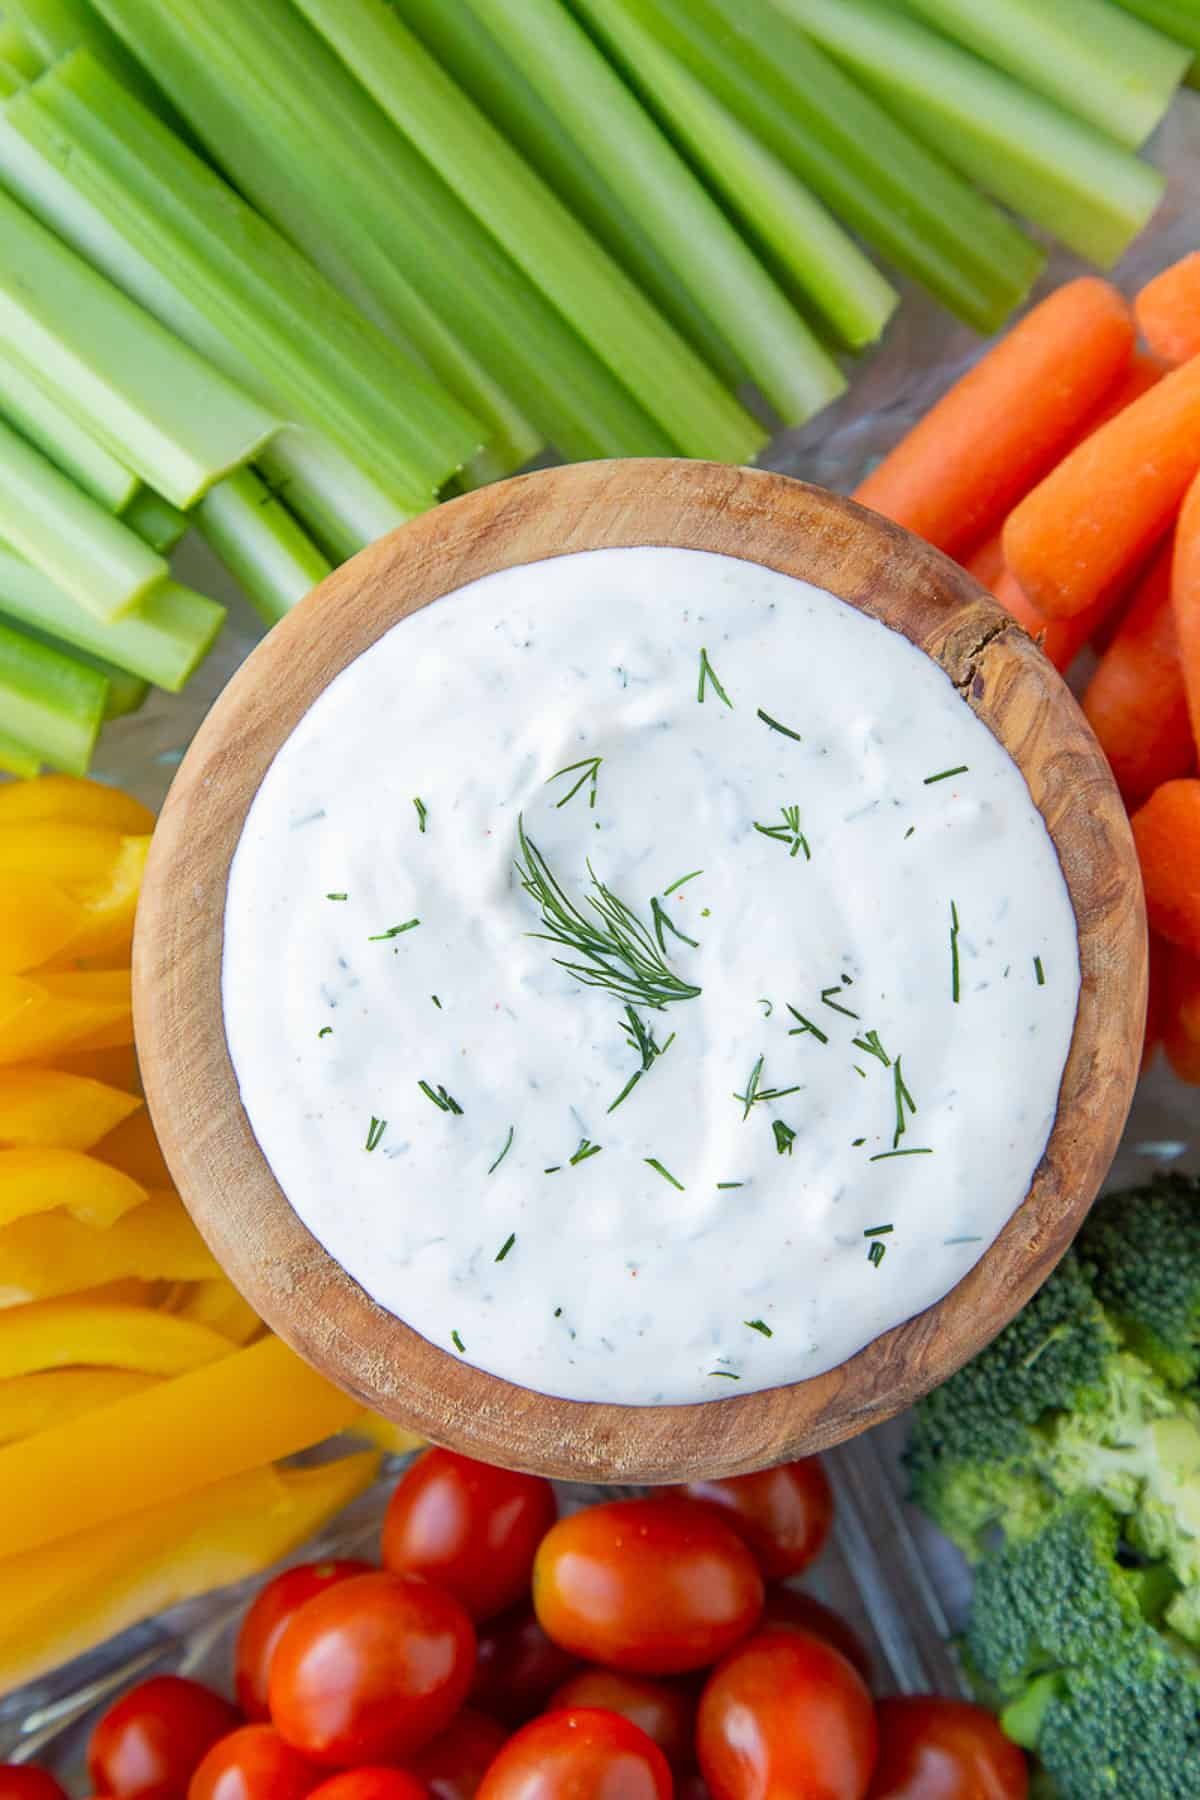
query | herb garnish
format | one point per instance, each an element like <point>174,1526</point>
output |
<point>754,1093</point>
<point>458,1343</point>
<point>441,1099</point>
<point>785,1137</point>
<point>876,1253</point>
<point>871,1044</point>
<point>945,774</point>
<point>857,1143</point>
<point>910,831</point>
<point>337,896</point>
<point>878,1231</point>
<point>759,1326</point>
<point>729,1184</point>
<point>436,1001</point>
<point>954,978</point>
<point>665,1173</point>
<point>787,833</point>
<point>724,1374</point>
<point>325,1031</point>
<point>707,674</point>
<point>505,1247</point>
<point>393,931</point>
<point>832,1004</point>
<point>886,1155</point>
<point>1039,971</point>
<point>680,882</point>
<point>807,1024</point>
<point>661,917</point>
<point>375,1131</point>
<point>422,813</point>
<point>586,1149</point>
<point>774,725</point>
<point>591,769</point>
<point>903,1099</point>
<point>643,1042</point>
<point>507,1147</point>
<point>621,953</point>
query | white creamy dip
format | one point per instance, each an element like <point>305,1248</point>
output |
<point>881,931</point>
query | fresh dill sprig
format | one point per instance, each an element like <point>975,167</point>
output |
<point>621,954</point>
<point>375,1131</point>
<point>707,674</point>
<point>721,1185</point>
<point>787,833</point>
<point>441,1099</point>
<point>591,770</point>
<point>945,774</point>
<point>876,1253</point>
<point>1039,971</point>
<point>640,1039</point>
<point>393,931</point>
<point>586,1149</point>
<point>955,986</point>
<point>723,1375</point>
<point>661,917</point>
<point>760,1326</point>
<point>665,1173</point>
<point>833,1004</point>
<point>505,1247</point>
<point>785,1137</point>
<point>886,1155</point>
<point>325,1031</point>
<point>754,1093</point>
<point>878,1231</point>
<point>422,813</point>
<point>806,1025</point>
<point>903,1099</point>
<point>458,1343</point>
<point>871,1044</point>
<point>507,1147</point>
<point>337,896</point>
<point>774,725</point>
<point>680,882</point>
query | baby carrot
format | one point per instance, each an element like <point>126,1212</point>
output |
<point>1089,523</point>
<point>1136,702</point>
<point>1185,597</point>
<point>1166,831</point>
<point>1061,640</point>
<point>986,561</point>
<point>957,472</point>
<point>1168,310</point>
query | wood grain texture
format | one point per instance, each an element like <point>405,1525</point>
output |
<point>275,1261</point>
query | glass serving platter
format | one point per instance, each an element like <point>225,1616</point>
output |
<point>902,1586</point>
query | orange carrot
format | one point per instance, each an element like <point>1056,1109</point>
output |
<point>986,561</point>
<point>957,472</point>
<point>1185,598</point>
<point>1086,527</point>
<point>1158,1000</point>
<point>1181,1016</point>
<point>1136,702</point>
<point>1168,310</point>
<point>1061,639</point>
<point>1167,834</point>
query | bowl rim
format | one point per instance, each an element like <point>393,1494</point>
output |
<point>191,1087</point>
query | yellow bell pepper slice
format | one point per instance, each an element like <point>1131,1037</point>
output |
<point>30,1403</point>
<point>251,1407</point>
<point>48,1015</point>
<point>38,920</point>
<point>218,1305</point>
<point>386,1434</point>
<point>47,1257</point>
<point>71,1595</point>
<point>71,801</point>
<point>66,1112</point>
<point>59,1334</point>
<point>108,909</point>
<point>79,857</point>
<point>41,1180</point>
<point>133,1148</point>
<point>117,1067</point>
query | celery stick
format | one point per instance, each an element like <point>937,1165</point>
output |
<point>1046,164</point>
<point>478,63</point>
<point>283,117</point>
<point>19,53</point>
<point>1178,19</point>
<point>338,507</point>
<point>50,702</point>
<point>163,642</point>
<point>46,423</point>
<point>592,103</point>
<point>574,273</point>
<point>156,521</point>
<point>126,692</point>
<point>872,173</point>
<point>91,556</point>
<point>148,398</point>
<point>850,296</point>
<point>260,544</point>
<point>56,27</point>
<point>100,168</point>
<point>1087,55</point>
<point>18,759</point>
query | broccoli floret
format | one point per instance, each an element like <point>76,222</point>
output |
<point>973,1453</point>
<point>1129,1727</point>
<point>1144,1248</point>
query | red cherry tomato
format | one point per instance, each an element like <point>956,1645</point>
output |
<point>933,1749</point>
<point>154,1736</point>
<point>518,1667</point>
<point>666,1714</point>
<point>653,1586</point>
<point>24,1781</point>
<point>470,1528</point>
<point>801,1612</point>
<point>784,1514</point>
<point>454,1765</point>
<point>785,1714</point>
<point>254,1764</point>
<point>372,1784</point>
<point>263,1625</point>
<point>370,1669</point>
<point>580,1755</point>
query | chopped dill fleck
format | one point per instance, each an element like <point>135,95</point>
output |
<point>945,774</point>
<point>879,1230</point>
<point>807,1025</point>
<point>871,1044</point>
<point>858,1070</point>
<point>591,770</point>
<point>903,1099</point>
<point>375,1131</point>
<point>826,1001</point>
<point>767,1005</point>
<point>707,674</point>
<point>337,896</point>
<point>774,725</point>
<point>785,1137</point>
<point>505,1247</point>
<point>910,831</point>
<point>857,1143</point>
<point>422,813</point>
<point>436,1001</point>
<point>680,882</point>
<point>661,917</point>
<point>886,1155</point>
<point>759,1326</point>
<point>325,1031</point>
<point>458,1343</point>
<point>787,833</point>
<point>441,1099</point>
<point>507,1147</point>
<point>962,1240</point>
<point>876,1253</point>
<point>586,1149</point>
<point>723,1375</point>
<point>553,1169</point>
<point>665,1173</point>
<point>393,931</point>
<point>954,973</point>
<point>1039,971</point>
<point>558,1312</point>
<point>729,1184</point>
<point>754,1093</point>
<point>643,1041</point>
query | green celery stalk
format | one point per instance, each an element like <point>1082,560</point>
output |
<point>510,199</point>
<point>104,171</point>
<point>260,543</point>
<point>851,298</point>
<point>49,702</point>
<point>483,69</point>
<point>45,422</point>
<point>91,556</point>
<point>1087,55</point>
<point>156,521</point>
<point>337,505</point>
<point>56,27</point>
<point>871,172</point>
<point>1048,165</point>
<point>285,119</point>
<point>147,397</point>
<point>18,759</point>
<point>163,642</point>
<point>1178,19</point>
<point>126,692</point>
<point>591,101</point>
<point>19,52</point>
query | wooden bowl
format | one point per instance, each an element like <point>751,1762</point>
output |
<point>297,1287</point>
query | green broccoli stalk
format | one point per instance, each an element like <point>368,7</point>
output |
<point>1144,1250</point>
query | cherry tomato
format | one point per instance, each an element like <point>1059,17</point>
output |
<point>691,1787</point>
<point>370,1669</point>
<point>154,1736</point>
<point>263,1625</point>
<point>470,1528</point>
<point>784,1514</point>
<point>786,1714</point>
<point>584,1754</point>
<point>454,1765</point>
<point>666,1714</point>
<point>653,1586</point>
<point>933,1749</point>
<point>518,1667</point>
<point>786,1607</point>
<point>372,1784</point>
<point>24,1781</point>
<point>254,1764</point>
